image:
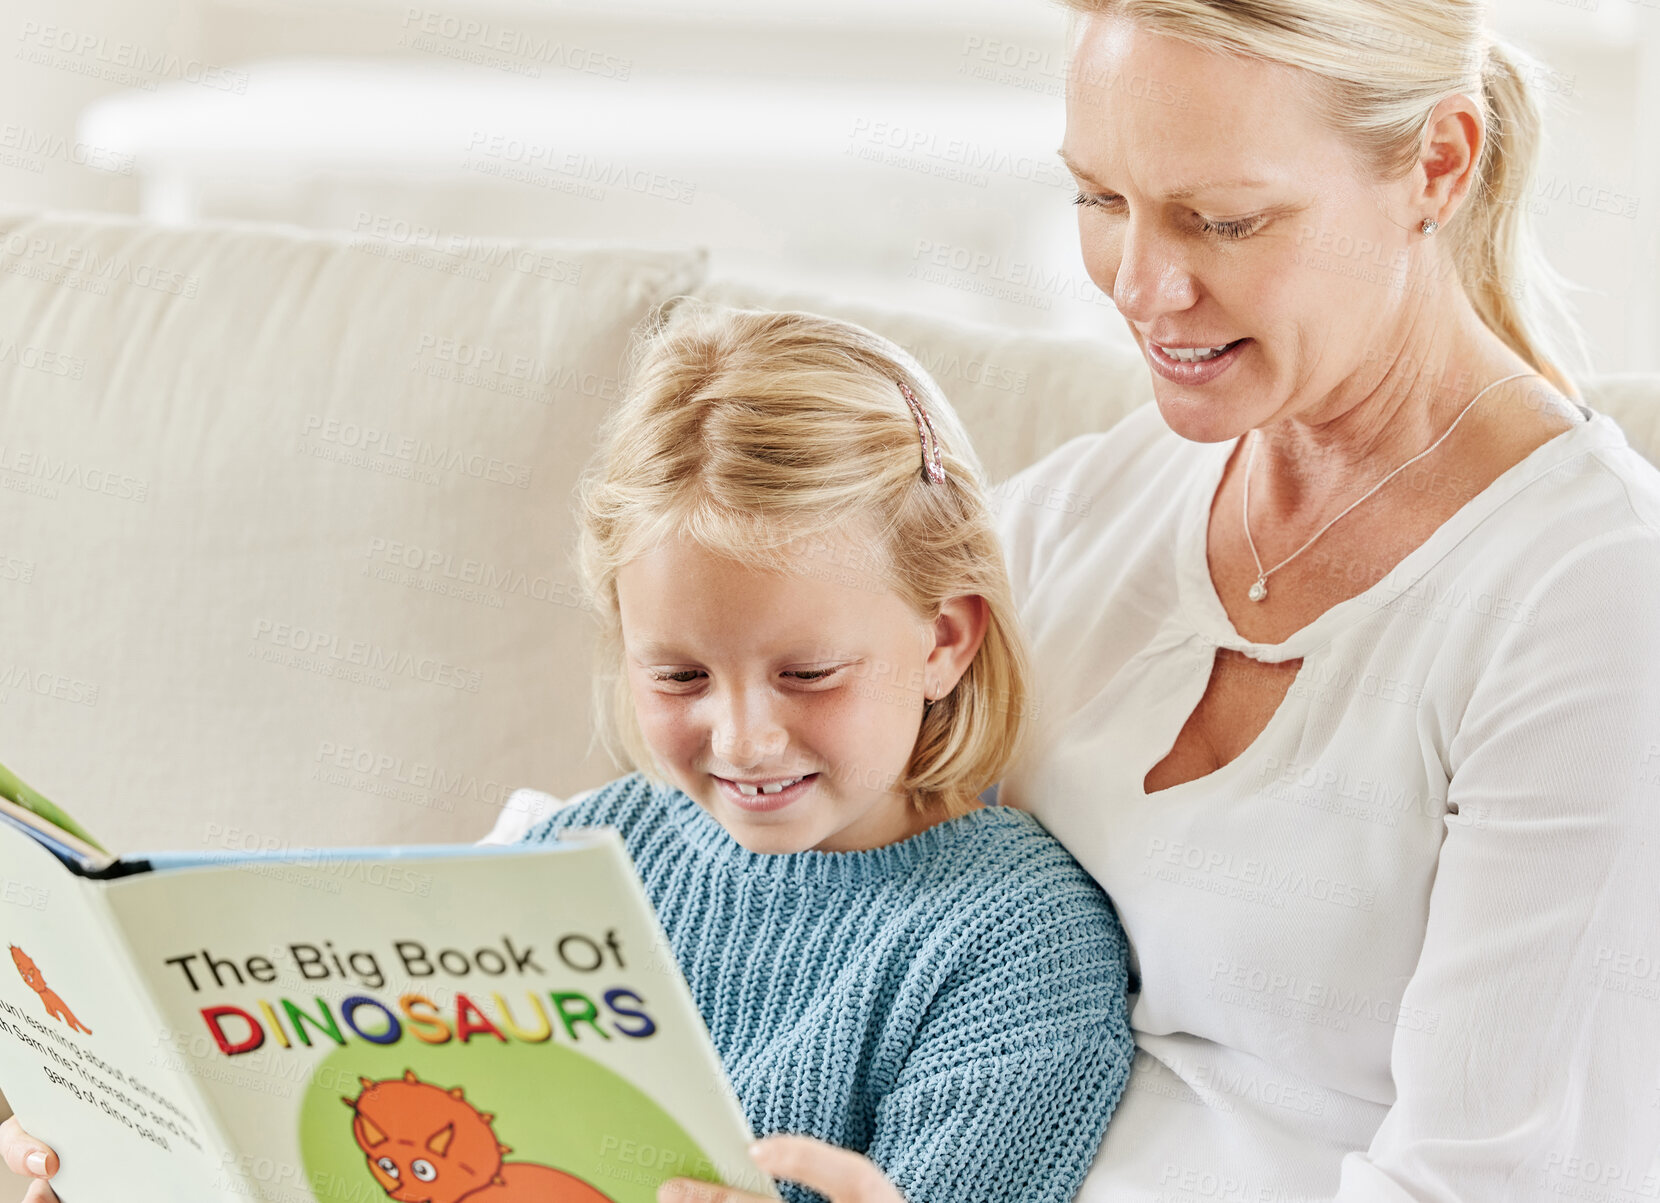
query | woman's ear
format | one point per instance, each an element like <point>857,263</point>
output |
<point>1453,142</point>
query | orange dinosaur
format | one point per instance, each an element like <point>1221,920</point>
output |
<point>55,1006</point>
<point>426,1144</point>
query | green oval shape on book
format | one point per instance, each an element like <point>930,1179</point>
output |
<point>560,1114</point>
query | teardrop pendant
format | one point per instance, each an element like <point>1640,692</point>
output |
<point>1258,591</point>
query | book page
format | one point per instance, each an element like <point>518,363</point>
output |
<point>83,1060</point>
<point>427,1024</point>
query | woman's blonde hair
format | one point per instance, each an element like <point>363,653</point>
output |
<point>1376,69</point>
<point>757,435</point>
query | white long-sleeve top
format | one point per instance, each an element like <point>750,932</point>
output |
<point>1406,946</point>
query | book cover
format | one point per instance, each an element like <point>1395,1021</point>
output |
<point>428,1024</point>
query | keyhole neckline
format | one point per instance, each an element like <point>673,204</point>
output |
<point>1203,608</point>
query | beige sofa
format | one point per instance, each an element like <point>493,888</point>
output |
<point>284,528</point>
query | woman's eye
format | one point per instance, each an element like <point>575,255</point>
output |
<point>814,674</point>
<point>682,677</point>
<point>1230,230</point>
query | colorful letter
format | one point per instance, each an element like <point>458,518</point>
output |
<point>348,1012</point>
<point>325,1025</point>
<point>427,1027</point>
<point>469,1020</point>
<point>585,1012</point>
<point>255,1037</point>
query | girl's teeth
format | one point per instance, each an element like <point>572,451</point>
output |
<point>1194,354</point>
<point>752,790</point>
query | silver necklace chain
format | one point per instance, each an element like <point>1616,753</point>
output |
<point>1259,590</point>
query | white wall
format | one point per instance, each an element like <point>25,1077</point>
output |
<point>872,217</point>
<point>42,90</point>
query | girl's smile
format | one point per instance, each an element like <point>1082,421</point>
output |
<point>761,798</point>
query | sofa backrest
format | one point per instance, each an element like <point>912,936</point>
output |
<point>287,521</point>
<point>286,515</point>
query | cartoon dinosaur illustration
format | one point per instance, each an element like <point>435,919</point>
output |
<point>426,1144</point>
<point>55,1006</point>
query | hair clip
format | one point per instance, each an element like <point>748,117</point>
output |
<point>930,442</point>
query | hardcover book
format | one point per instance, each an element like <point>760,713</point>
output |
<point>428,1024</point>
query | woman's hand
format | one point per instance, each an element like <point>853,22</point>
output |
<point>25,1155</point>
<point>838,1175</point>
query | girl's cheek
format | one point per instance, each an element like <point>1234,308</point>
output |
<point>660,721</point>
<point>663,723</point>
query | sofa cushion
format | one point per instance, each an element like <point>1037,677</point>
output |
<point>1633,400</point>
<point>285,523</point>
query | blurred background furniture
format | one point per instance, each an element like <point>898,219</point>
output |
<point>829,147</point>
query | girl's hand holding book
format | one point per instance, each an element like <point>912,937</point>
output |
<point>25,1155</point>
<point>836,1173</point>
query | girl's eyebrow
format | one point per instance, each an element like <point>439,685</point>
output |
<point>1186,192</point>
<point>669,651</point>
<point>657,651</point>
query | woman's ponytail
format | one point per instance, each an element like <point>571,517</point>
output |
<point>1513,287</point>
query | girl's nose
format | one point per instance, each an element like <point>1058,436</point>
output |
<point>747,734</point>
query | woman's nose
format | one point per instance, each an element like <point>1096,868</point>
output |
<point>1149,277</point>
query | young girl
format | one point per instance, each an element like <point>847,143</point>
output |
<point>810,654</point>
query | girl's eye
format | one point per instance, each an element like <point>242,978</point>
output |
<point>686,675</point>
<point>1221,229</point>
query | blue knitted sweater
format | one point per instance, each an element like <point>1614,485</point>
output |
<point>952,1006</point>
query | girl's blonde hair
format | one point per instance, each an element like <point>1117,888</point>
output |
<point>757,435</point>
<point>1376,69</point>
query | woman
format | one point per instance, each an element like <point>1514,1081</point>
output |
<point>1366,752</point>
<point>1368,759</point>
